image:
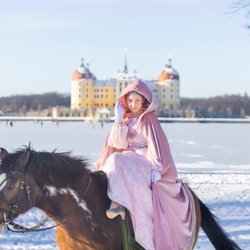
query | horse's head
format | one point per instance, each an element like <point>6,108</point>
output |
<point>15,185</point>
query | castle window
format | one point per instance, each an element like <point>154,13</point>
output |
<point>87,96</point>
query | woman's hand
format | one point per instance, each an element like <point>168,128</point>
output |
<point>119,111</point>
<point>155,175</point>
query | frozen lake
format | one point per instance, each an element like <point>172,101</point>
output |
<point>213,158</point>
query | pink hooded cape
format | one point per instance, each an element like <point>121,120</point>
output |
<point>173,205</point>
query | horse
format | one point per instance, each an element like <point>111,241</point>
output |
<point>75,198</point>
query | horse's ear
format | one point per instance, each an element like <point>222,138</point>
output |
<point>22,160</point>
<point>3,153</point>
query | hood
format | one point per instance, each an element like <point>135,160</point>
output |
<point>142,89</point>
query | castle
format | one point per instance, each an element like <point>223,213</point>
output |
<point>92,95</point>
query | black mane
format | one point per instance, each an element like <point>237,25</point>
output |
<point>47,166</point>
<point>52,163</point>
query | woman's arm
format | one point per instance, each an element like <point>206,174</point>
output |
<point>118,137</point>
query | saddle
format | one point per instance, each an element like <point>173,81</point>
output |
<point>128,236</point>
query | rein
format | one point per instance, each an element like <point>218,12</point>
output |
<point>21,229</point>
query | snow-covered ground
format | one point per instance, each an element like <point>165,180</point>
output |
<point>213,158</point>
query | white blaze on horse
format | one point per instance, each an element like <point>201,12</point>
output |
<point>75,199</point>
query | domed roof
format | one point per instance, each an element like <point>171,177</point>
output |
<point>168,73</point>
<point>83,72</point>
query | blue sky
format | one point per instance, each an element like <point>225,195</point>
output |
<point>42,42</point>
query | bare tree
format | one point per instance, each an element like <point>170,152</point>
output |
<point>241,6</point>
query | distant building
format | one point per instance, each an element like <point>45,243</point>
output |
<point>169,91</point>
<point>91,95</point>
<point>103,114</point>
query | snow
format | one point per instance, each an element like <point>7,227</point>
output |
<point>213,159</point>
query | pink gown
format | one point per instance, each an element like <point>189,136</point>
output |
<point>162,213</point>
<point>129,175</point>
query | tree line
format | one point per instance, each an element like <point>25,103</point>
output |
<point>35,102</point>
<point>219,106</point>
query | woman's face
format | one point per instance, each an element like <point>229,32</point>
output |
<point>134,102</point>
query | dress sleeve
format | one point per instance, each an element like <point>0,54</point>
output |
<point>118,137</point>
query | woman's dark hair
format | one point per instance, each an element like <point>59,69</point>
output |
<point>145,104</point>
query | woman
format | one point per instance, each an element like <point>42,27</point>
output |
<point>142,176</point>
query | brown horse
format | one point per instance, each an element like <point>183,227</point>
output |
<point>75,199</point>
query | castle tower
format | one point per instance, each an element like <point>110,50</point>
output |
<point>169,90</point>
<point>123,78</point>
<point>82,87</point>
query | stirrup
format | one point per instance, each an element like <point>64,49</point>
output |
<point>113,212</point>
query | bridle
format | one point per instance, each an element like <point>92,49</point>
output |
<point>14,206</point>
<point>23,187</point>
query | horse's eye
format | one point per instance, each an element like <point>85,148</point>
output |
<point>10,187</point>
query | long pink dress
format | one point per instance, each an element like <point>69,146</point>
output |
<point>162,213</point>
